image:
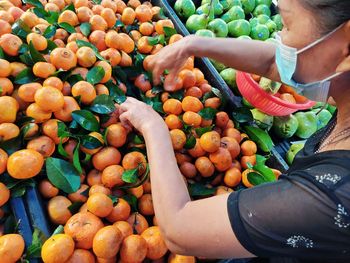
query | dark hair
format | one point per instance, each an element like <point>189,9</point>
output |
<point>330,13</point>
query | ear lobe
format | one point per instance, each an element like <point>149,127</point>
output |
<point>344,65</point>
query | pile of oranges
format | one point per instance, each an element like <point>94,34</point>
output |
<point>59,60</point>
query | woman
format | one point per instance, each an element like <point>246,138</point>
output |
<point>304,215</point>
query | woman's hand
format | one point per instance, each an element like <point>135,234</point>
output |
<point>140,116</point>
<point>172,58</point>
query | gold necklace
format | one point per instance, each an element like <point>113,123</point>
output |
<point>325,142</point>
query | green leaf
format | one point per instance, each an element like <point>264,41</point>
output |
<point>179,95</point>
<point>85,28</point>
<point>76,160</point>
<point>25,76</point>
<point>103,104</point>
<point>74,208</point>
<point>10,225</point>
<point>138,139</point>
<point>114,199</point>
<point>73,79</point>
<point>58,230</point>
<point>169,31</point>
<point>82,43</point>
<point>67,27</point>
<point>265,172</point>
<point>153,40</point>
<point>18,191</point>
<point>86,120</point>
<point>201,131</point>
<point>242,115</point>
<point>97,2</point>
<point>260,137</point>
<point>40,12</point>
<point>62,130</point>
<point>208,113</point>
<point>198,190</point>
<point>52,18</point>
<point>49,32</point>
<point>12,145</point>
<point>20,29</point>
<point>91,142</point>
<point>2,54</point>
<point>115,92</point>
<point>24,120</point>
<point>256,178</point>
<point>50,46</point>
<point>23,49</point>
<point>38,239</point>
<point>130,176</point>
<point>35,3</point>
<point>118,23</point>
<point>26,59</point>
<point>63,175</point>
<point>190,143</point>
<point>61,150</point>
<point>69,7</point>
<point>95,75</point>
<point>132,201</point>
<point>36,55</point>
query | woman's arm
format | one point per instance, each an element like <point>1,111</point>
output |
<point>246,55</point>
<point>200,228</point>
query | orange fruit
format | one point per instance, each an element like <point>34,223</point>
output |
<point>69,17</point>
<point>112,39</point>
<point>173,258</point>
<point>98,23</point>
<point>94,177</point>
<point>106,157</point>
<point>109,4</point>
<point>59,43</point>
<point>161,24</point>
<point>120,212</point>
<point>138,222</point>
<point>213,103</point>
<point>75,37</point>
<point>136,191</point>
<point>194,92</point>
<point>171,85</point>
<point>97,188</point>
<point>245,180</point>
<point>107,69</point>
<point>61,34</point>
<point>39,42</point>
<point>143,46</point>
<point>173,122</point>
<point>231,145</point>
<point>112,55</point>
<point>43,145</point>
<point>288,97</point>
<point>134,160</point>
<point>53,82</point>
<point>143,13</point>
<point>120,6</point>
<point>49,99</point>
<point>84,14</point>
<point>178,139</point>
<point>133,249</point>
<point>4,15</point>
<point>101,89</point>
<point>97,9</point>
<point>249,148</point>
<point>145,205</point>
<point>277,173</point>
<point>190,103</point>
<point>10,44</point>
<point>81,255</point>
<point>221,159</point>
<point>155,243</point>
<point>146,28</point>
<point>112,176</point>
<point>142,83</point>
<point>70,105</point>
<point>109,16</point>
<point>221,119</point>
<point>8,108</point>
<point>188,78</point>
<point>197,150</point>
<point>80,71</point>
<point>47,190</point>
<point>58,248</point>
<point>58,209</point>
<point>134,3</point>
<point>16,67</point>
<point>5,68</point>
<point>50,128</point>
<point>174,38</point>
<point>192,118</point>
<point>210,141</point>
<point>77,196</point>
<point>51,7</point>
<point>127,44</point>
<point>3,160</point>
<point>116,135</point>
<point>107,242</point>
<point>206,123</point>
<point>5,27</point>
<point>232,177</point>
<point>85,90</point>
<point>32,130</point>
<point>100,204</point>
<point>204,166</point>
<point>8,131</point>
<point>189,64</point>
<point>27,91</point>
<point>128,16</point>
<point>126,60</point>
<point>86,57</point>
<point>25,164</point>
<point>99,137</point>
<point>63,58</point>
<point>11,247</point>
<point>233,133</point>
<point>60,3</point>
<point>223,190</point>
<point>5,194</point>
<point>172,106</point>
<point>248,159</point>
<point>124,227</point>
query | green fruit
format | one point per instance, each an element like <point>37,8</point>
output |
<point>196,22</point>
<point>263,2</point>
<point>219,27</point>
<point>278,20</point>
<point>245,37</point>
<point>248,6</point>
<point>323,117</point>
<point>293,151</point>
<point>285,127</point>
<point>271,40</point>
<point>263,120</point>
<point>262,10</point>
<point>263,19</point>
<point>260,32</point>
<point>318,105</point>
<point>205,33</point>
<point>273,35</point>
<point>227,4</point>
<point>217,6</point>
<point>253,22</point>
<point>307,124</point>
<point>239,28</point>
<point>217,65</point>
<point>271,26</point>
<point>247,104</point>
<point>234,13</point>
<point>203,9</point>
<point>184,8</point>
<point>229,76</point>
<point>332,109</point>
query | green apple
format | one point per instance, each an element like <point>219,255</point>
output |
<point>260,32</point>
<point>239,28</point>
<point>263,120</point>
<point>271,40</point>
<point>323,117</point>
<point>205,33</point>
<point>253,22</point>
<point>278,20</point>
<point>219,66</point>
<point>263,19</point>
<point>203,9</point>
<point>196,22</point>
<point>263,2</point>
<point>307,124</point>
<point>219,27</point>
<point>227,4</point>
<point>248,6</point>
<point>293,151</point>
<point>271,26</point>
<point>229,76</point>
<point>234,13</point>
<point>286,126</point>
<point>184,8</point>
<point>244,37</point>
<point>262,10</point>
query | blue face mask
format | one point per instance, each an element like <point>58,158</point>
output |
<point>286,61</point>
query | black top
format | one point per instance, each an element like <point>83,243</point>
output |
<point>303,216</point>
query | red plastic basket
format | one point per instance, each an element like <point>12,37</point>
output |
<point>267,103</point>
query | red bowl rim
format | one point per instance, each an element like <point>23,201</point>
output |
<point>257,88</point>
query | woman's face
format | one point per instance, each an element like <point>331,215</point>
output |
<point>301,28</point>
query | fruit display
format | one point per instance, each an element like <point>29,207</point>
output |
<point>65,69</point>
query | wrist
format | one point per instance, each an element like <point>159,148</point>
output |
<point>154,124</point>
<point>190,45</point>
